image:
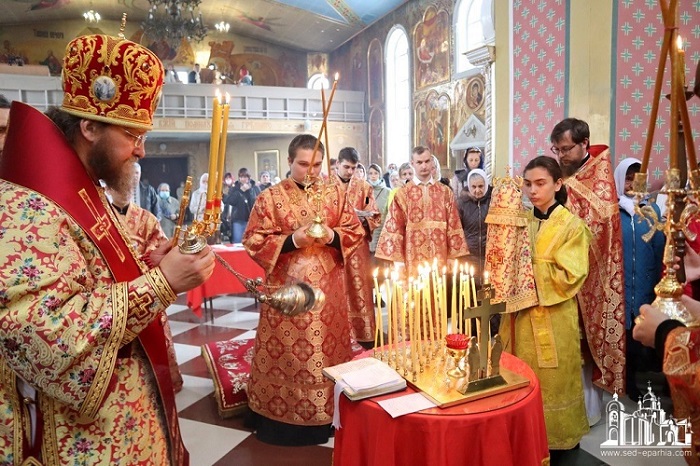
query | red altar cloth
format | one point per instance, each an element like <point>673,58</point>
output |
<point>505,429</point>
<point>222,281</point>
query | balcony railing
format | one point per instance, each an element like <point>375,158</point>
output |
<point>196,100</point>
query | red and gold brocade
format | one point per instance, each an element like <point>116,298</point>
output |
<point>593,198</point>
<point>422,225</point>
<point>63,320</point>
<point>360,196</point>
<point>286,383</point>
<point>146,234</point>
<point>682,370</point>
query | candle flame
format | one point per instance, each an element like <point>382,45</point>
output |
<point>471,270</point>
<point>455,265</point>
<point>218,95</point>
<point>679,42</point>
<point>386,273</point>
<point>375,274</point>
<point>337,75</point>
<point>228,98</point>
<point>444,269</point>
<point>486,277</point>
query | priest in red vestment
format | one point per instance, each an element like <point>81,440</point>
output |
<point>423,222</point>
<point>360,196</point>
<point>588,175</point>
<point>84,375</point>
<point>291,398</point>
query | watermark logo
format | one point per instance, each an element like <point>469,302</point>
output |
<point>647,426</point>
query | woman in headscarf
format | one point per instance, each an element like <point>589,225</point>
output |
<point>642,267</point>
<point>198,199</point>
<point>473,205</point>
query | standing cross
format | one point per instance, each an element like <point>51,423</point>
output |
<point>484,312</point>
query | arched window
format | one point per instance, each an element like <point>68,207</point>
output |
<point>317,80</point>
<point>398,97</point>
<point>469,31</point>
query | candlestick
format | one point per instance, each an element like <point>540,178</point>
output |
<point>214,148</point>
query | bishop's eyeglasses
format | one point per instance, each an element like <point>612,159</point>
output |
<point>138,140</point>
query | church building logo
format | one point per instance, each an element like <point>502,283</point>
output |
<point>648,426</point>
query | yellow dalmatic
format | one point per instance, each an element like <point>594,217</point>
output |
<point>547,336</point>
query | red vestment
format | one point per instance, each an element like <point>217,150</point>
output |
<point>286,382</point>
<point>360,196</point>
<point>682,370</point>
<point>95,352</point>
<point>422,225</point>
<point>592,196</point>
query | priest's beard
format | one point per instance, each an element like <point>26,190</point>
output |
<point>569,170</point>
<point>117,174</point>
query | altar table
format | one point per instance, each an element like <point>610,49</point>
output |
<point>505,429</point>
<point>222,281</point>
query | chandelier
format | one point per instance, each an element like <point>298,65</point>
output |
<point>174,20</point>
<point>222,26</point>
<point>91,16</point>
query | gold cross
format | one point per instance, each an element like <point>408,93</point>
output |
<point>141,302</point>
<point>484,313</point>
<point>102,224</point>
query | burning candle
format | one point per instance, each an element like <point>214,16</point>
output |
<point>222,153</point>
<point>681,59</point>
<point>214,147</point>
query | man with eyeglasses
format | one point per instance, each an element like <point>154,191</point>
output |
<point>84,374</point>
<point>592,196</point>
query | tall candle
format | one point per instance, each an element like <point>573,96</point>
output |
<point>681,59</point>
<point>455,315</point>
<point>378,298</point>
<point>222,152</point>
<point>214,148</point>
<point>443,302</point>
<point>394,317</point>
<point>402,322</point>
<point>471,272</point>
<point>414,338</point>
<point>389,302</point>
<point>467,294</point>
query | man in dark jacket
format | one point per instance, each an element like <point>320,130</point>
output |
<point>145,195</point>
<point>241,198</point>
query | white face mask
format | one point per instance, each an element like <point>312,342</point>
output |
<point>228,181</point>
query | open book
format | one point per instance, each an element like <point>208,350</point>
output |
<point>366,377</point>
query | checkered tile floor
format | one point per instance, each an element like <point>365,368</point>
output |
<point>210,439</point>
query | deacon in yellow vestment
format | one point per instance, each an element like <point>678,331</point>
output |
<point>546,336</point>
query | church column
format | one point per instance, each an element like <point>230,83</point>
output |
<point>483,57</point>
